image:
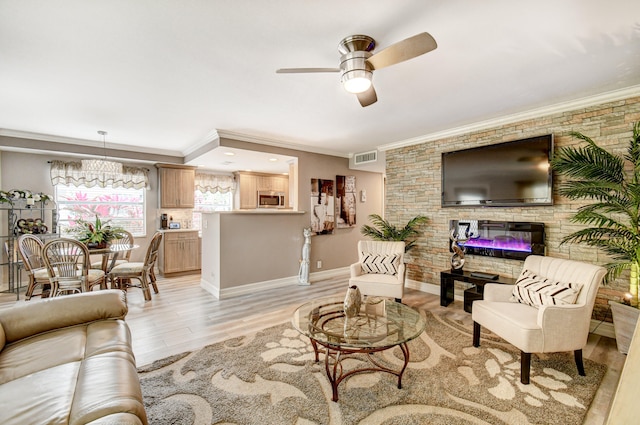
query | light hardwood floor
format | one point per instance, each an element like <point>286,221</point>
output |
<point>184,317</point>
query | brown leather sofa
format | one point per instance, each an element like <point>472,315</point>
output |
<point>68,360</point>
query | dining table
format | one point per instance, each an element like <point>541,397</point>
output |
<point>111,253</point>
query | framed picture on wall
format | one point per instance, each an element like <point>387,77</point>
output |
<point>345,201</point>
<point>322,207</point>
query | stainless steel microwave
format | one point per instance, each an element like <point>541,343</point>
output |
<point>269,199</point>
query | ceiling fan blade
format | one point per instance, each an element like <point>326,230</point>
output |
<point>403,50</point>
<point>305,70</point>
<point>368,97</point>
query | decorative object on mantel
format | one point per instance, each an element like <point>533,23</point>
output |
<point>303,274</point>
<point>14,196</point>
<point>96,235</point>
<point>611,181</point>
<point>382,230</point>
<point>352,302</point>
<point>457,259</point>
<point>102,166</point>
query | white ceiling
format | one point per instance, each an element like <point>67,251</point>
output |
<point>167,76</point>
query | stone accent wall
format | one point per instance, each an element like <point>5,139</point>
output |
<point>413,187</point>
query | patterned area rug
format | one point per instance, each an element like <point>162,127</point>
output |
<point>271,378</point>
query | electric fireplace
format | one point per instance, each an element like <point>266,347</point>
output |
<point>503,239</point>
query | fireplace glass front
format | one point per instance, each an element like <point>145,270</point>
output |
<point>503,239</point>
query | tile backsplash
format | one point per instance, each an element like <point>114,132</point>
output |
<point>182,216</point>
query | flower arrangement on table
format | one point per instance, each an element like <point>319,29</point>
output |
<point>97,234</point>
<point>11,196</point>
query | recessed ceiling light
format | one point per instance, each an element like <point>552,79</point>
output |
<point>273,159</point>
<point>229,153</point>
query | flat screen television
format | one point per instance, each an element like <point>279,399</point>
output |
<point>509,174</point>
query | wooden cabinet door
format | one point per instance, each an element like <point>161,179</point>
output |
<point>169,191</point>
<point>172,258</point>
<point>181,252</point>
<point>280,184</point>
<point>186,182</point>
<point>191,254</point>
<point>248,192</point>
<point>177,186</point>
<point>265,183</point>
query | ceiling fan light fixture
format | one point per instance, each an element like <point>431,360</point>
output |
<point>358,81</point>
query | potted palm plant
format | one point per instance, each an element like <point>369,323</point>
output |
<point>383,230</point>
<point>612,182</point>
<point>97,234</point>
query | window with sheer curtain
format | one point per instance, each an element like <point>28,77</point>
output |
<point>212,193</point>
<point>116,197</point>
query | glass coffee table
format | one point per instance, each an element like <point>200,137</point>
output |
<point>381,324</point>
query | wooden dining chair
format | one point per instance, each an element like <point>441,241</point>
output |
<point>30,250</point>
<point>141,271</point>
<point>69,268</point>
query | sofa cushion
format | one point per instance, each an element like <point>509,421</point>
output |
<point>535,290</point>
<point>72,344</point>
<point>107,384</point>
<point>43,397</point>
<point>379,263</point>
<point>42,351</point>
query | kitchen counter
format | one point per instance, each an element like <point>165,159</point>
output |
<point>176,230</point>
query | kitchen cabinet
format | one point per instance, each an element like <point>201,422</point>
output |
<point>248,190</point>
<point>177,186</point>
<point>250,183</point>
<point>180,252</point>
<point>273,183</point>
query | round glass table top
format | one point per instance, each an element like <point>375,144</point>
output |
<point>380,323</point>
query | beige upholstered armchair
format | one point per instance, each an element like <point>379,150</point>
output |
<point>562,294</point>
<point>380,269</point>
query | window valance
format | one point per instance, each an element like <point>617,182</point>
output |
<point>71,173</point>
<point>214,183</point>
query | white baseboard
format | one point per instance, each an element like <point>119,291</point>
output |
<point>251,288</point>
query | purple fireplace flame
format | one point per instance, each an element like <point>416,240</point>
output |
<point>508,244</point>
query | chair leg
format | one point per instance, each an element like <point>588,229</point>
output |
<point>145,287</point>
<point>153,283</point>
<point>476,334</point>
<point>525,367</point>
<point>30,288</point>
<point>578,356</point>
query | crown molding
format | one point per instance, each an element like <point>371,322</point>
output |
<point>85,142</point>
<point>278,143</point>
<point>213,136</point>
<point>584,102</point>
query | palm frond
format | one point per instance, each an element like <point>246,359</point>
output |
<point>633,152</point>
<point>590,163</point>
<point>383,230</point>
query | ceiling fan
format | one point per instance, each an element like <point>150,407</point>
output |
<point>357,63</point>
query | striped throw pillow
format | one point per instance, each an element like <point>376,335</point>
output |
<point>535,291</point>
<point>380,264</point>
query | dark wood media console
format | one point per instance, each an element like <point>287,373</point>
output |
<point>448,277</point>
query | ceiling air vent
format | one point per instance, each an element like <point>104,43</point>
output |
<point>365,157</point>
